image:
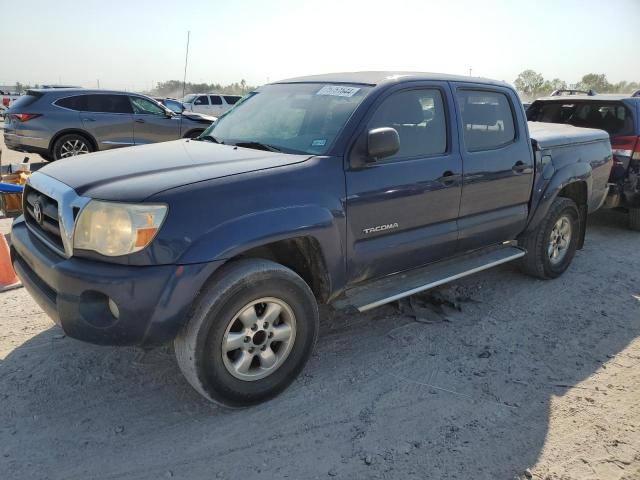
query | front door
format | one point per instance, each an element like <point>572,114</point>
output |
<point>151,123</point>
<point>402,210</point>
<point>497,166</point>
<point>201,105</point>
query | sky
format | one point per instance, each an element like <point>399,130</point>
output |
<point>134,44</point>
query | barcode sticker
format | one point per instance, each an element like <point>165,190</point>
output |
<point>338,91</point>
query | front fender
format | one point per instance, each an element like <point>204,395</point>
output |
<point>237,235</point>
<point>547,193</point>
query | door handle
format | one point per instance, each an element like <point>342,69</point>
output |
<point>448,178</point>
<point>88,119</point>
<point>140,120</point>
<point>520,167</point>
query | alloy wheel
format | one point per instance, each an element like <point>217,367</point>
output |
<point>259,339</point>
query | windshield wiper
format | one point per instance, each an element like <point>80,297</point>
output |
<point>258,146</point>
<point>208,138</point>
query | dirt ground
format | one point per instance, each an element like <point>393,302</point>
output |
<point>530,379</point>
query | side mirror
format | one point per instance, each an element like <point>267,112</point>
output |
<point>382,143</point>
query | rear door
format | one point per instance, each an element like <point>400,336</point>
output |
<point>497,159</point>
<point>151,122</point>
<point>108,118</point>
<point>402,210</point>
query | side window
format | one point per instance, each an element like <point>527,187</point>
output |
<point>146,107</point>
<point>487,120</point>
<point>215,100</point>
<point>201,100</point>
<point>107,104</point>
<point>77,102</point>
<point>231,99</point>
<point>419,118</point>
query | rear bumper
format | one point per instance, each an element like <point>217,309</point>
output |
<point>25,143</point>
<point>153,301</point>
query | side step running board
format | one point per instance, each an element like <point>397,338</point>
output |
<point>404,284</point>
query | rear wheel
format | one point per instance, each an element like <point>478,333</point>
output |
<point>71,145</point>
<point>250,334</point>
<point>634,219</point>
<point>552,245</point>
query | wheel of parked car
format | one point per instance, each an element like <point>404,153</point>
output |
<point>249,334</point>
<point>552,245</point>
<point>70,146</point>
<point>634,219</point>
<point>194,134</point>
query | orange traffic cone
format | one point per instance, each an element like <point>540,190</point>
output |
<point>8,278</point>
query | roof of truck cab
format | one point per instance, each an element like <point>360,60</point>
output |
<point>380,77</point>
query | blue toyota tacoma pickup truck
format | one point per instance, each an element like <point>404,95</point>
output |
<point>352,189</point>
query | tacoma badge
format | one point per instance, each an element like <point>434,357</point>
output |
<point>380,228</point>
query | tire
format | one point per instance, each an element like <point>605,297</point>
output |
<point>46,156</point>
<point>193,134</point>
<point>634,219</point>
<point>71,145</point>
<point>540,260</point>
<point>222,376</point>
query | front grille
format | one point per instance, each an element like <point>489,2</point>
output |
<point>49,225</point>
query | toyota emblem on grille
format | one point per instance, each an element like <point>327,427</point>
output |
<point>37,212</point>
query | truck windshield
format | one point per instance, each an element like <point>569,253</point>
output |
<point>293,118</point>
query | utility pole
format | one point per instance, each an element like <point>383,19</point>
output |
<point>470,70</point>
<point>186,59</point>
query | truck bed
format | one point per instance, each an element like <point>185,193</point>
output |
<point>548,135</point>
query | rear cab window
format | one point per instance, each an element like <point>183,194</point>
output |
<point>613,117</point>
<point>487,119</point>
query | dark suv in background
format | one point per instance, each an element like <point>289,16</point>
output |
<point>619,116</point>
<point>60,123</point>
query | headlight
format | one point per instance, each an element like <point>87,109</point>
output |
<point>115,229</point>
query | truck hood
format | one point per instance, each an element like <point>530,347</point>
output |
<point>135,173</point>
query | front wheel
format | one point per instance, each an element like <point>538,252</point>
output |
<point>193,134</point>
<point>250,334</point>
<point>553,244</point>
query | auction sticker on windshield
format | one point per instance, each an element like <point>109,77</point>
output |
<point>338,91</point>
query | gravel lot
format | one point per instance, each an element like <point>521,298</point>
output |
<point>529,379</point>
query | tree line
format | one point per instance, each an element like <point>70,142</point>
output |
<point>530,85</point>
<point>173,88</point>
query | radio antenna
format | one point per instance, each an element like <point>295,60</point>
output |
<point>184,77</point>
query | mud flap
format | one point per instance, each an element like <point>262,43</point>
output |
<point>582,209</point>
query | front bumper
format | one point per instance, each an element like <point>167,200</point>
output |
<point>153,301</point>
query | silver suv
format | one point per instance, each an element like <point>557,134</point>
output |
<point>59,123</point>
